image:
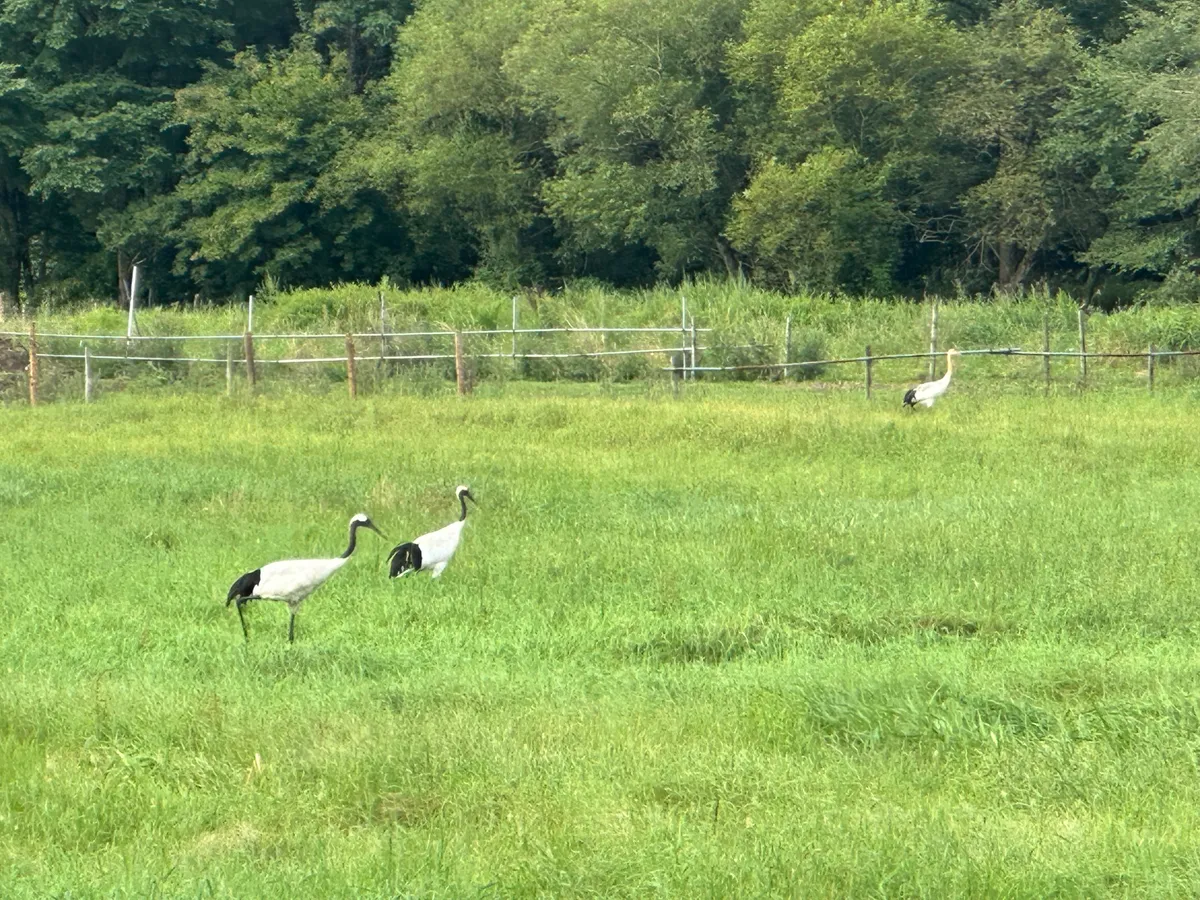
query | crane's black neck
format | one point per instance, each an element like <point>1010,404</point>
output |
<point>353,538</point>
<point>462,498</point>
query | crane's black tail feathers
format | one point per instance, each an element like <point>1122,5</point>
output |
<point>404,557</point>
<point>244,586</point>
<point>910,399</point>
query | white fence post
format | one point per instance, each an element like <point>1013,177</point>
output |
<point>683,334</point>
<point>133,292</point>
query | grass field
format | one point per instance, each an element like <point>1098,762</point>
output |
<point>756,641</point>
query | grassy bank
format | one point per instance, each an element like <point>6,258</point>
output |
<point>756,641</point>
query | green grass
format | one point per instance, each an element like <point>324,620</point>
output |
<point>755,641</point>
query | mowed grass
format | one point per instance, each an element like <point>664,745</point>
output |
<point>755,641</point>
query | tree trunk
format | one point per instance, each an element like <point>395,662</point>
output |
<point>11,241</point>
<point>27,270</point>
<point>124,273</point>
<point>732,267</point>
<point>1014,265</point>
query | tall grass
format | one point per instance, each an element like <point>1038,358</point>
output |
<point>750,642</point>
<point>747,328</point>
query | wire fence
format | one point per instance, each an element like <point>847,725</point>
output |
<point>683,359</point>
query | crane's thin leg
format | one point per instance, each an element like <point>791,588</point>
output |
<point>292,627</point>
<point>242,617</point>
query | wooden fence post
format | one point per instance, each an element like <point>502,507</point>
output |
<point>351,375</point>
<point>1082,345</point>
<point>87,374</point>
<point>787,341</point>
<point>1046,349</point>
<point>868,356</point>
<point>1150,359</point>
<point>248,347</point>
<point>33,364</point>
<point>460,366</point>
<point>933,316</point>
<point>3,304</point>
<point>229,369</point>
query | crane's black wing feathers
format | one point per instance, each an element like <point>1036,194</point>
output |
<point>910,399</point>
<point>244,586</point>
<point>404,557</point>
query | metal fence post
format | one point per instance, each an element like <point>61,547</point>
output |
<point>1150,360</point>
<point>515,325</point>
<point>383,342</point>
<point>1082,345</point>
<point>1046,349</point>
<point>693,349</point>
<point>351,373</point>
<point>933,317</point>
<point>248,344</point>
<point>868,361</point>
<point>87,374</point>
<point>683,332</point>
<point>133,292</point>
<point>33,364</point>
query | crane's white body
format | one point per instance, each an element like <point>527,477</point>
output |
<point>431,552</point>
<point>929,391</point>
<point>292,580</point>
<point>437,548</point>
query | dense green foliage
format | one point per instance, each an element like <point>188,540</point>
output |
<point>757,642</point>
<point>866,146</point>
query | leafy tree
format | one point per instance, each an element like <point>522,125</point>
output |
<point>457,149</point>
<point>1148,89</point>
<point>258,194</point>
<point>104,73</point>
<point>822,224</point>
<point>639,111</point>
<point>1025,64</point>
<point>856,88</point>
<point>363,30</point>
<point>18,122</point>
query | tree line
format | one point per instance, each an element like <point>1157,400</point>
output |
<point>858,146</point>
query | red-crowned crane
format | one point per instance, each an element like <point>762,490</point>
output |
<point>431,551</point>
<point>292,580</point>
<point>926,393</point>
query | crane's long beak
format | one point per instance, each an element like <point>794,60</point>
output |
<point>467,494</point>
<point>371,525</point>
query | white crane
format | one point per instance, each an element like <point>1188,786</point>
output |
<point>292,580</point>
<point>926,393</point>
<point>431,551</point>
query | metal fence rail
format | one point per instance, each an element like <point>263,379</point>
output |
<point>683,359</point>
